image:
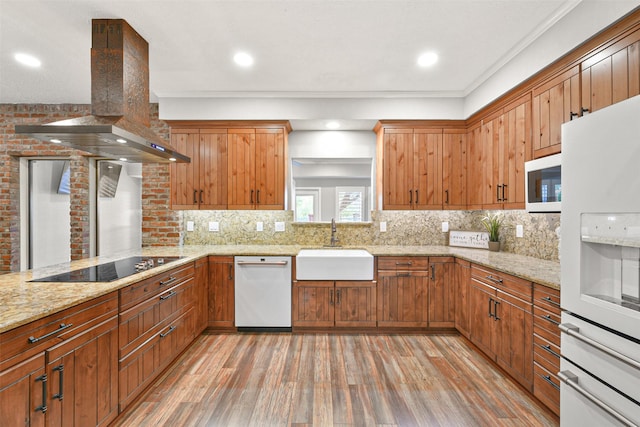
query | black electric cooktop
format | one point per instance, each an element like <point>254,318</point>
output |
<point>109,271</point>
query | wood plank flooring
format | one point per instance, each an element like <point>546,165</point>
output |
<point>343,380</point>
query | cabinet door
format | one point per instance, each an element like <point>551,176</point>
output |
<point>355,304</point>
<point>313,304</point>
<point>514,338</point>
<point>481,329</point>
<point>441,292</point>
<point>475,168</point>
<point>403,299</point>
<point>462,316</point>
<point>201,293</point>
<point>454,170</point>
<point>397,173</point>
<point>185,191</point>
<point>241,168</point>
<point>517,141</point>
<point>270,173</point>
<point>427,175</point>
<point>554,103</point>
<point>83,378</point>
<point>221,292</point>
<point>22,393</point>
<point>493,132</point>
<point>212,176</point>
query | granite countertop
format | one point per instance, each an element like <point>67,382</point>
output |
<point>23,301</point>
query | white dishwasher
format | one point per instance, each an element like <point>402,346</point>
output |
<point>263,292</point>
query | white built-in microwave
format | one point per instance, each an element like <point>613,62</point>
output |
<point>543,184</point>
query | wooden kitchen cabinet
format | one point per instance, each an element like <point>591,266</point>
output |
<point>502,321</point>
<point>73,352</point>
<point>506,138</point>
<point>442,277</point>
<point>475,167</point>
<point>201,276</point>
<point>555,102</point>
<point>462,306</point>
<point>329,304</point>
<point>546,346</point>
<point>23,393</point>
<point>454,169</point>
<point>403,291</point>
<point>256,168</point>
<point>221,293</point>
<point>158,319</point>
<point>201,184</point>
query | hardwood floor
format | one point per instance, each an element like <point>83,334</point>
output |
<point>319,379</point>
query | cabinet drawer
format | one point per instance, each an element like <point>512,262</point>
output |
<point>143,320</point>
<point>546,354</point>
<point>403,263</point>
<point>25,341</point>
<point>520,288</point>
<point>144,289</point>
<point>546,324</point>
<point>546,387</point>
<point>547,298</point>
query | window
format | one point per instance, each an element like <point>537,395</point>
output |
<point>307,204</point>
<point>350,206</point>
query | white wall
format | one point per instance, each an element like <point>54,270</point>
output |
<point>120,217</point>
<point>50,220</point>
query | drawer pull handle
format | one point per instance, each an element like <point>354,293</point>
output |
<point>167,296</point>
<point>168,282</point>
<point>547,378</point>
<point>43,408</point>
<point>403,274</point>
<point>494,279</point>
<point>171,329</point>
<point>571,379</point>
<point>404,263</point>
<point>548,349</point>
<point>548,317</point>
<point>61,328</point>
<point>59,395</point>
<point>550,301</point>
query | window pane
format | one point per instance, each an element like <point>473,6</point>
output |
<point>350,206</point>
<point>304,208</point>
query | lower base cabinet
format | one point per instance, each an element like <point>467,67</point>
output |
<point>329,304</point>
<point>221,293</point>
<point>23,393</point>
<point>462,315</point>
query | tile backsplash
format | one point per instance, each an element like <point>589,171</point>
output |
<point>541,231</point>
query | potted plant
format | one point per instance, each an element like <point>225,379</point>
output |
<point>492,223</point>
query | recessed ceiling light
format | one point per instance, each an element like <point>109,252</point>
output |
<point>427,59</point>
<point>172,159</point>
<point>121,140</point>
<point>243,59</point>
<point>332,125</point>
<point>55,141</point>
<point>28,60</point>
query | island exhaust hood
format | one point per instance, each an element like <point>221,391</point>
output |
<point>119,125</point>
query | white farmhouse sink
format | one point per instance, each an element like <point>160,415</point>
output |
<point>334,264</point>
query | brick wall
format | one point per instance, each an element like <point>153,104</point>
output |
<point>161,226</point>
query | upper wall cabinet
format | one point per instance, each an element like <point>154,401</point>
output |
<point>555,102</point>
<point>421,167</point>
<point>234,165</point>
<point>201,184</point>
<point>256,169</point>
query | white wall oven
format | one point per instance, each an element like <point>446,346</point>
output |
<point>600,268</point>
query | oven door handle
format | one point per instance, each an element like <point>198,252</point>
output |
<point>261,263</point>
<point>571,380</point>
<point>574,331</point>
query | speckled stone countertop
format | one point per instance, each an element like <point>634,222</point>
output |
<point>23,301</point>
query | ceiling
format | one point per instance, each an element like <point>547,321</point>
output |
<point>302,48</point>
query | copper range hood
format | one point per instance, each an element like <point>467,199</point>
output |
<point>119,125</point>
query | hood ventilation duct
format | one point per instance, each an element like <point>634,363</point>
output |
<point>119,125</point>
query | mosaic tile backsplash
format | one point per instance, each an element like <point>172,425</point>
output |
<point>404,228</point>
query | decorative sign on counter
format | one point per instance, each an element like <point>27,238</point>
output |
<point>469,239</point>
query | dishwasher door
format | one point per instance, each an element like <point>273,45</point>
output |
<point>263,291</point>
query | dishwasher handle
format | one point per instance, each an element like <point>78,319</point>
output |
<point>243,263</point>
